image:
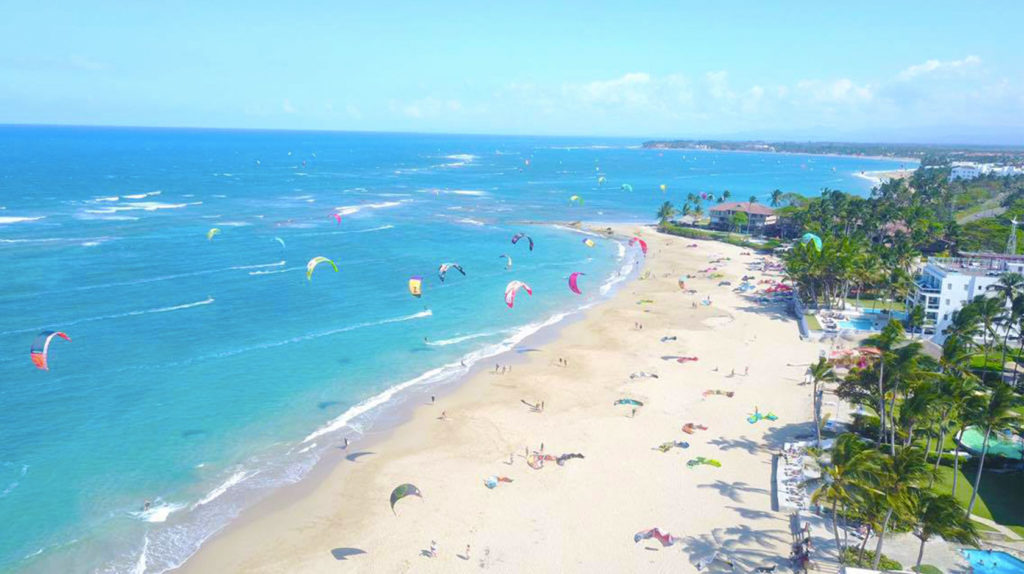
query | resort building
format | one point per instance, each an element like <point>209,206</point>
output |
<point>971,170</point>
<point>759,216</point>
<point>946,284</point>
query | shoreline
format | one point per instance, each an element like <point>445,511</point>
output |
<point>769,152</point>
<point>447,460</point>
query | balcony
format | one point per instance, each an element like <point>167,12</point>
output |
<point>926,288</point>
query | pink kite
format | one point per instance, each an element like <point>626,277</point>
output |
<point>665,538</point>
<point>572,282</point>
<point>337,217</point>
<point>643,244</point>
<point>510,291</point>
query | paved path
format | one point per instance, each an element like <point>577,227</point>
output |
<point>1011,535</point>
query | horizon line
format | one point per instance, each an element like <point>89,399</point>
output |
<point>642,139</point>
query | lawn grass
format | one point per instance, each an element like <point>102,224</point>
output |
<point>812,323</point>
<point>871,303</point>
<point>1001,497</point>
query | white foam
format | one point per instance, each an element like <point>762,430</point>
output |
<point>143,195</point>
<point>224,486</point>
<point>233,223</point>
<point>260,266</point>
<point>140,564</point>
<point>352,209</point>
<point>111,198</point>
<point>276,271</point>
<point>469,221</point>
<point>141,205</point>
<point>437,375</point>
<point>158,512</point>
<point>455,340</point>
<point>56,240</point>
<point>472,192</point>
<point>206,301</point>
<point>13,219</point>
<point>463,157</point>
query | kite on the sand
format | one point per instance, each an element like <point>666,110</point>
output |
<point>642,375</point>
<point>758,416</point>
<point>667,446</point>
<point>689,428</point>
<point>643,244</point>
<point>401,491</point>
<point>665,538</point>
<point>632,402</point>
<point>694,462</point>
<point>41,348</point>
<point>710,392</point>
<point>492,481</point>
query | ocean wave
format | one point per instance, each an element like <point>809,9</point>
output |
<point>158,512</point>
<point>63,324</point>
<point>143,195</point>
<point>55,240</point>
<point>224,486</point>
<point>276,271</point>
<point>472,192</point>
<point>312,336</point>
<point>234,223</point>
<point>438,375</point>
<point>456,340</point>
<point>260,266</point>
<point>12,219</point>
<point>466,157</point>
<point>353,209</point>
<point>111,198</point>
<point>141,205</point>
<point>471,221</point>
<point>93,215</point>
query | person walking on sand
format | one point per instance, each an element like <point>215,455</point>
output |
<point>633,415</point>
<point>510,458</point>
<point>433,549</point>
<point>467,552</point>
<point>444,415</point>
<point>746,371</point>
<point>432,399</point>
<point>345,447</point>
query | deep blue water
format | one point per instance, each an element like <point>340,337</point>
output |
<point>202,373</point>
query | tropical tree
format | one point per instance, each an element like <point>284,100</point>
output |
<point>726,194</point>
<point>898,478</point>
<point>665,213</point>
<point>997,415</point>
<point>819,372</point>
<point>942,515</point>
<point>739,219</point>
<point>886,341</point>
<point>852,462</point>
<point>989,309</point>
<point>751,202</point>
<point>1009,289</point>
<point>915,318</point>
<point>776,197</point>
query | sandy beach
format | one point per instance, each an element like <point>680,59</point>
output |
<point>878,177</point>
<point>579,516</point>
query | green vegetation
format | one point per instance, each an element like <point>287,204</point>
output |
<point>725,237</point>
<point>1002,492</point>
<point>927,569</point>
<point>851,557</point>
<point>812,322</point>
<point>872,303</point>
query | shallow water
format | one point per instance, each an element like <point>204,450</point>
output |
<point>202,373</point>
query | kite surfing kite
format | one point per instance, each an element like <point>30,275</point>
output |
<point>492,481</point>
<point>663,188</point>
<point>572,282</point>
<point>631,402</point>
<point>695,462</point>
<point>665,538</point>
<point>337,217</point>
<point>643,244</point>
<point>416,286</point>
<point>588,242</point>
<point>279,240</point>
<point>689,428</point>
<point>758,416</point>
<point>401,491</point>
<point>41,347</point>
<point>575,200</point>
<point>600,180</point>
<point>667,446</point>
<point>317,261</point>
<point>212,232</point>
<point>810,237</point>
<point>442,271</point>
<point>508,260</point>
<point>518,236</point>
<point>510,291</point>
<point>626,187</point>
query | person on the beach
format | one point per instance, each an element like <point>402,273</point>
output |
<point>444,415</point>
<point>467,552</point>
<point>746,371</point>
<point>433,549</point>
<point>633,415</point>
<point>431,399</point>
<point>146,504</point>
<point>542,406</point>
<point>510,458</point>
<point>345,446</point>
<point>733,373</point>
<point>541,447</point>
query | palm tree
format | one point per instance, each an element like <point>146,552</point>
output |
<point>852,461</point>
<point>698,211</point>
<point>752,201</point>
<point>726,194</point>
<point>665,213</point>
<point>1009,289</point>
<point>899,476</point>
<point>776,198</point>
<point>941,514</point>
<point>915,319</point>
<point>820,372</point>
<point>885,341</point>
<point>989,309</point>
<point>997,415</point>
<point>967,401</point>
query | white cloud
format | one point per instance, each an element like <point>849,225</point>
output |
<point>287,107</point>
<point>930,66</point>
<point>843,90</point>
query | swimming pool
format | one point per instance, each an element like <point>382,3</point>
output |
<point>998,443</point>
<point>986,562</point>
<point>858,323</point>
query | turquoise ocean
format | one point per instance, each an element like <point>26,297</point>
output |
<point>202,374</point>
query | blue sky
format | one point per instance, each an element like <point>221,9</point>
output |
<point>890,71</point>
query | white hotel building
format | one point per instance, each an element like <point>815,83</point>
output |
<point>947,283</point>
